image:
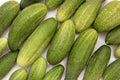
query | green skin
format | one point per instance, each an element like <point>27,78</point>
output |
<point>80,53</point>
<point>7,62</point>
<point>97,63</point>
<point>117,52</point>
<point>112,72</point>
<point>113,36</point>
<point>38,69</point>
<point>109,17</point>
<point>3,44</point>
<point>24,24</point>
<point>61,43</point>
<point>86,14</point>
<point>67,9</point>
<point>37,42</point>
<point>55,73</point>
<point>52,4</point>
<point>8,11</point>
<point>20,74</point>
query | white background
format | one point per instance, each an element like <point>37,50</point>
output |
<point>100,42</point>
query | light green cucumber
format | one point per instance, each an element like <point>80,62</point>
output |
<point>37,42</point>
<point>97,63</point>
<point>80,53</point>
<point>61,43</point>
<point>8,11</point>
<point>86,14</point>
<point>24,24</point>
<point>3,44</point>
<point>55,73</point>
<point>38,69</point>
<point>117,52</point>
<point>67,9</point>
<point>20,74</point>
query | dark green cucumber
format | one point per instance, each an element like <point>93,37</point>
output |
<point>80,53</point>
<point>112,72</point>
<point>24,24</point>
<point>61,43</point>
<point>8,11</point>
<point>7,62</point>
<point>97,63</point>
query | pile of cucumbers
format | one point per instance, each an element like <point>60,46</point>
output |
<point>29,36</point>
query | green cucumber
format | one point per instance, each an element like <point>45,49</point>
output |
<point>109,17</point>
<point>80,53</point>
<point>55,73</point>
<point>37,69</point>
<point>20,74</point>
<point>117,52</point>
<point>86,14</point>
<point>3,44</point>
<point>37,42</point>
<point>24,24</point>
<point>61,43</point>
<point>67,9</point>
<point>7,62</point>
<point>8,11</point>
<point>97,63</point>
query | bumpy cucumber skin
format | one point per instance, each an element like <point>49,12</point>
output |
<point>61,43</point>
<point>80,53</point>
<point>55,73</point>
<point>67,9</point>
<point>52,4</point>
<point>3,44</point>
<point>117,52</point>
<point>7,62</point>
<point>37,42</point>
<point>38,69</point>
<point>109,17</point>
<point>86,14</point>
<point>113,36</point>
<point>25,23</point>
<point>112,72</point>
<point>8,11</point>
<point>97,63</point>
<point>20,74</point>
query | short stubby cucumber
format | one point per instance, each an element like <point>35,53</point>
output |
<point>112,72</point>
<point>20,74</point>
<point>86,14</point>
<point>37,42</point>
<point>109,17</point>
<point>55,73</point>
<point>117,52</point>
<point>38,69</point>
<point>113,36</point>
<point>61,43</point>
<point>24,24</point>
<point>3,44</point>
<point>52,4</point>
<point>80,53</point>
<point>97,63</point>
<point>7,62</point>
<point>67,9</point>
<point>8,11</point>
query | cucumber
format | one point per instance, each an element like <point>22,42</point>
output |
<point>37,42</point>
<point>20,74</point>
<point>97,63</point>
<point>67,9</point>
<point>8,11</point>
<point>117,52</point>
<point>55,73</point>
<point>24,24</point>
<point>112,72</point>
<point>109,17</point>
<point>7,62</point>
<point>3,44</point>
<point>80,53</point>
<point>86,14</point>
<point>37,69</point>
<point>113,36</point>
<point>61,43</point>
<point>52,4</point>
